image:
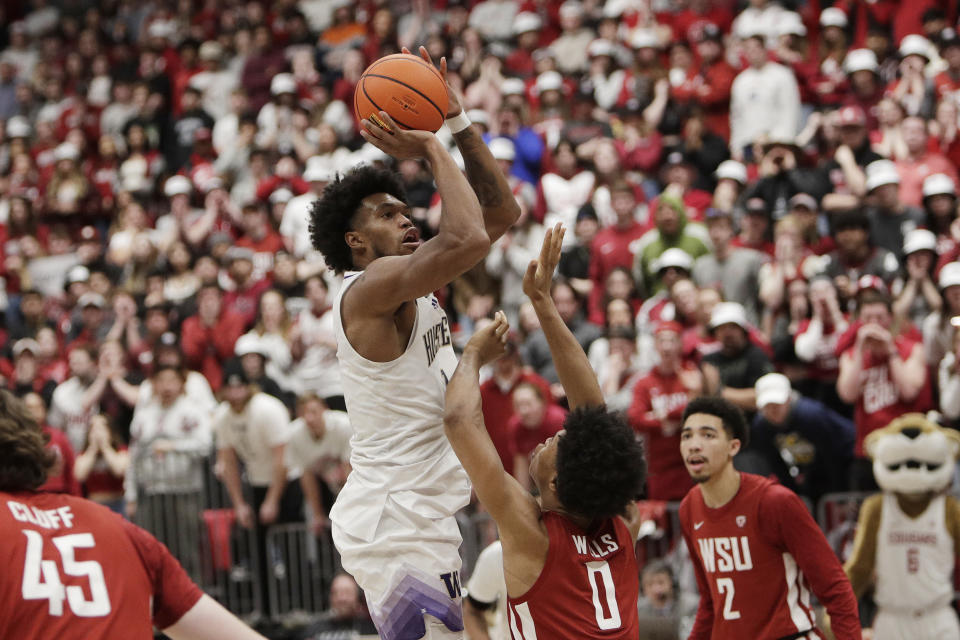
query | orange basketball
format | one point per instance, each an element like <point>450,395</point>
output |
<point>411,90</point>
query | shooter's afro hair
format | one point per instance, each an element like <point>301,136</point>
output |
<point>332,215</point>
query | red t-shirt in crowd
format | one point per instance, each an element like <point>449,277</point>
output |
<point>74,570</point>
<point>757,559</point>
<point>879,402</point>
<point>612,247</point>
<point>524,440</point>
<point>657,395</point>
<point>914,172</point>
<point>588,587</point>
<point>497,405</point>
<point>101,480</point>
<point>60,478</point>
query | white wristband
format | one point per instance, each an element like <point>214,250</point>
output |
<point>458,123</point>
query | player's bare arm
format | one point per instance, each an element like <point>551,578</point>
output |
<point>461,242</point>
<point>500,208</point>
<point>516,512</point>
<point>573,368</point>
<point>208,620</point>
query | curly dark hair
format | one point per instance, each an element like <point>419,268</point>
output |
<point>24,457</point>
<point>730,415</point>
<point>332,215</point>
<point>600,463</point>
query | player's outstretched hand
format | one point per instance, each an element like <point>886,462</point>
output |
<point>394,140</point>
<point>455,104</point>
<point>490,342</point>
<point>539,275</point>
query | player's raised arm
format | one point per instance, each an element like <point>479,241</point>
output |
<point>574,370</point>
<point>500,208</point>
<point>511,506</point>
<point>380,238</point>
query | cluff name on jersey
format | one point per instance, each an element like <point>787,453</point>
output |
<point>594,548</point>
<point>435,337</point>
<point>46,518</point>
<point>725,554</point>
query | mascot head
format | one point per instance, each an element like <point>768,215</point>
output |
<point>913,455</point>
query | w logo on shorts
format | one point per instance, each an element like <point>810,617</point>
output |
<point>452,580</point>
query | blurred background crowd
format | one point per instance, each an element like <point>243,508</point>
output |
<point>761,197</point>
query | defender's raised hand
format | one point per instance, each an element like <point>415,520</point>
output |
<point>489,343</point>
<point>539,275</point>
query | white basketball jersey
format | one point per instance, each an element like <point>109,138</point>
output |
<point>396,412</point>
<point>914,557</point>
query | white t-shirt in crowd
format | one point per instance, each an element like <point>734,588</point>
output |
<point>305,452</point>
<point>67,414</point>
<point>263,424</point>
<point>319,369</point>
<point>186,425</point>
<point>196,388</point>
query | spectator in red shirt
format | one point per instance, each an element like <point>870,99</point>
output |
<point>919,162</point>
<point>208,338</point>
<point>60,478</point>
<point>947,82</point>
<point>612,246</point>
<point>526,28</point>
<point>883,374</point>
<point>262,64</point>
<point>911,89</point>
<point>865,87</point>
<point>259,237</point>
<point>659,399</point>
<point>815,343</point>
<point>497,397</point>
<point>535,419</point>
<point>244,298</point>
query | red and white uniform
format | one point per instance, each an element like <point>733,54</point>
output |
<point>757,559</point>
<point>588,587</point>
<point>74,570</point>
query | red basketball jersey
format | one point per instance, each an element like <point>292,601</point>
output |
<point>74,570</point>
<point>757,559</point>
<point>588,587</point>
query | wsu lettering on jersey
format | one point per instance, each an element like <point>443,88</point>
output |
<point>723,555</point>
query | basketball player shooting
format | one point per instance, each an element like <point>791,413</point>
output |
<point>568,557</point>
<point>393,522</point>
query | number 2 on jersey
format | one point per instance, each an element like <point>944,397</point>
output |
<point>41,578</point>
<point>725,586</point>
<point>602,569</point>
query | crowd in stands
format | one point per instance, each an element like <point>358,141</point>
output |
<point>761,200</point>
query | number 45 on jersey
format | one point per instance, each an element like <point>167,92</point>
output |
<point>41,578</point>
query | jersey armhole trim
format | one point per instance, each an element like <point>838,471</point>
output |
<point>343,327</point>
<point>552,551</point>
